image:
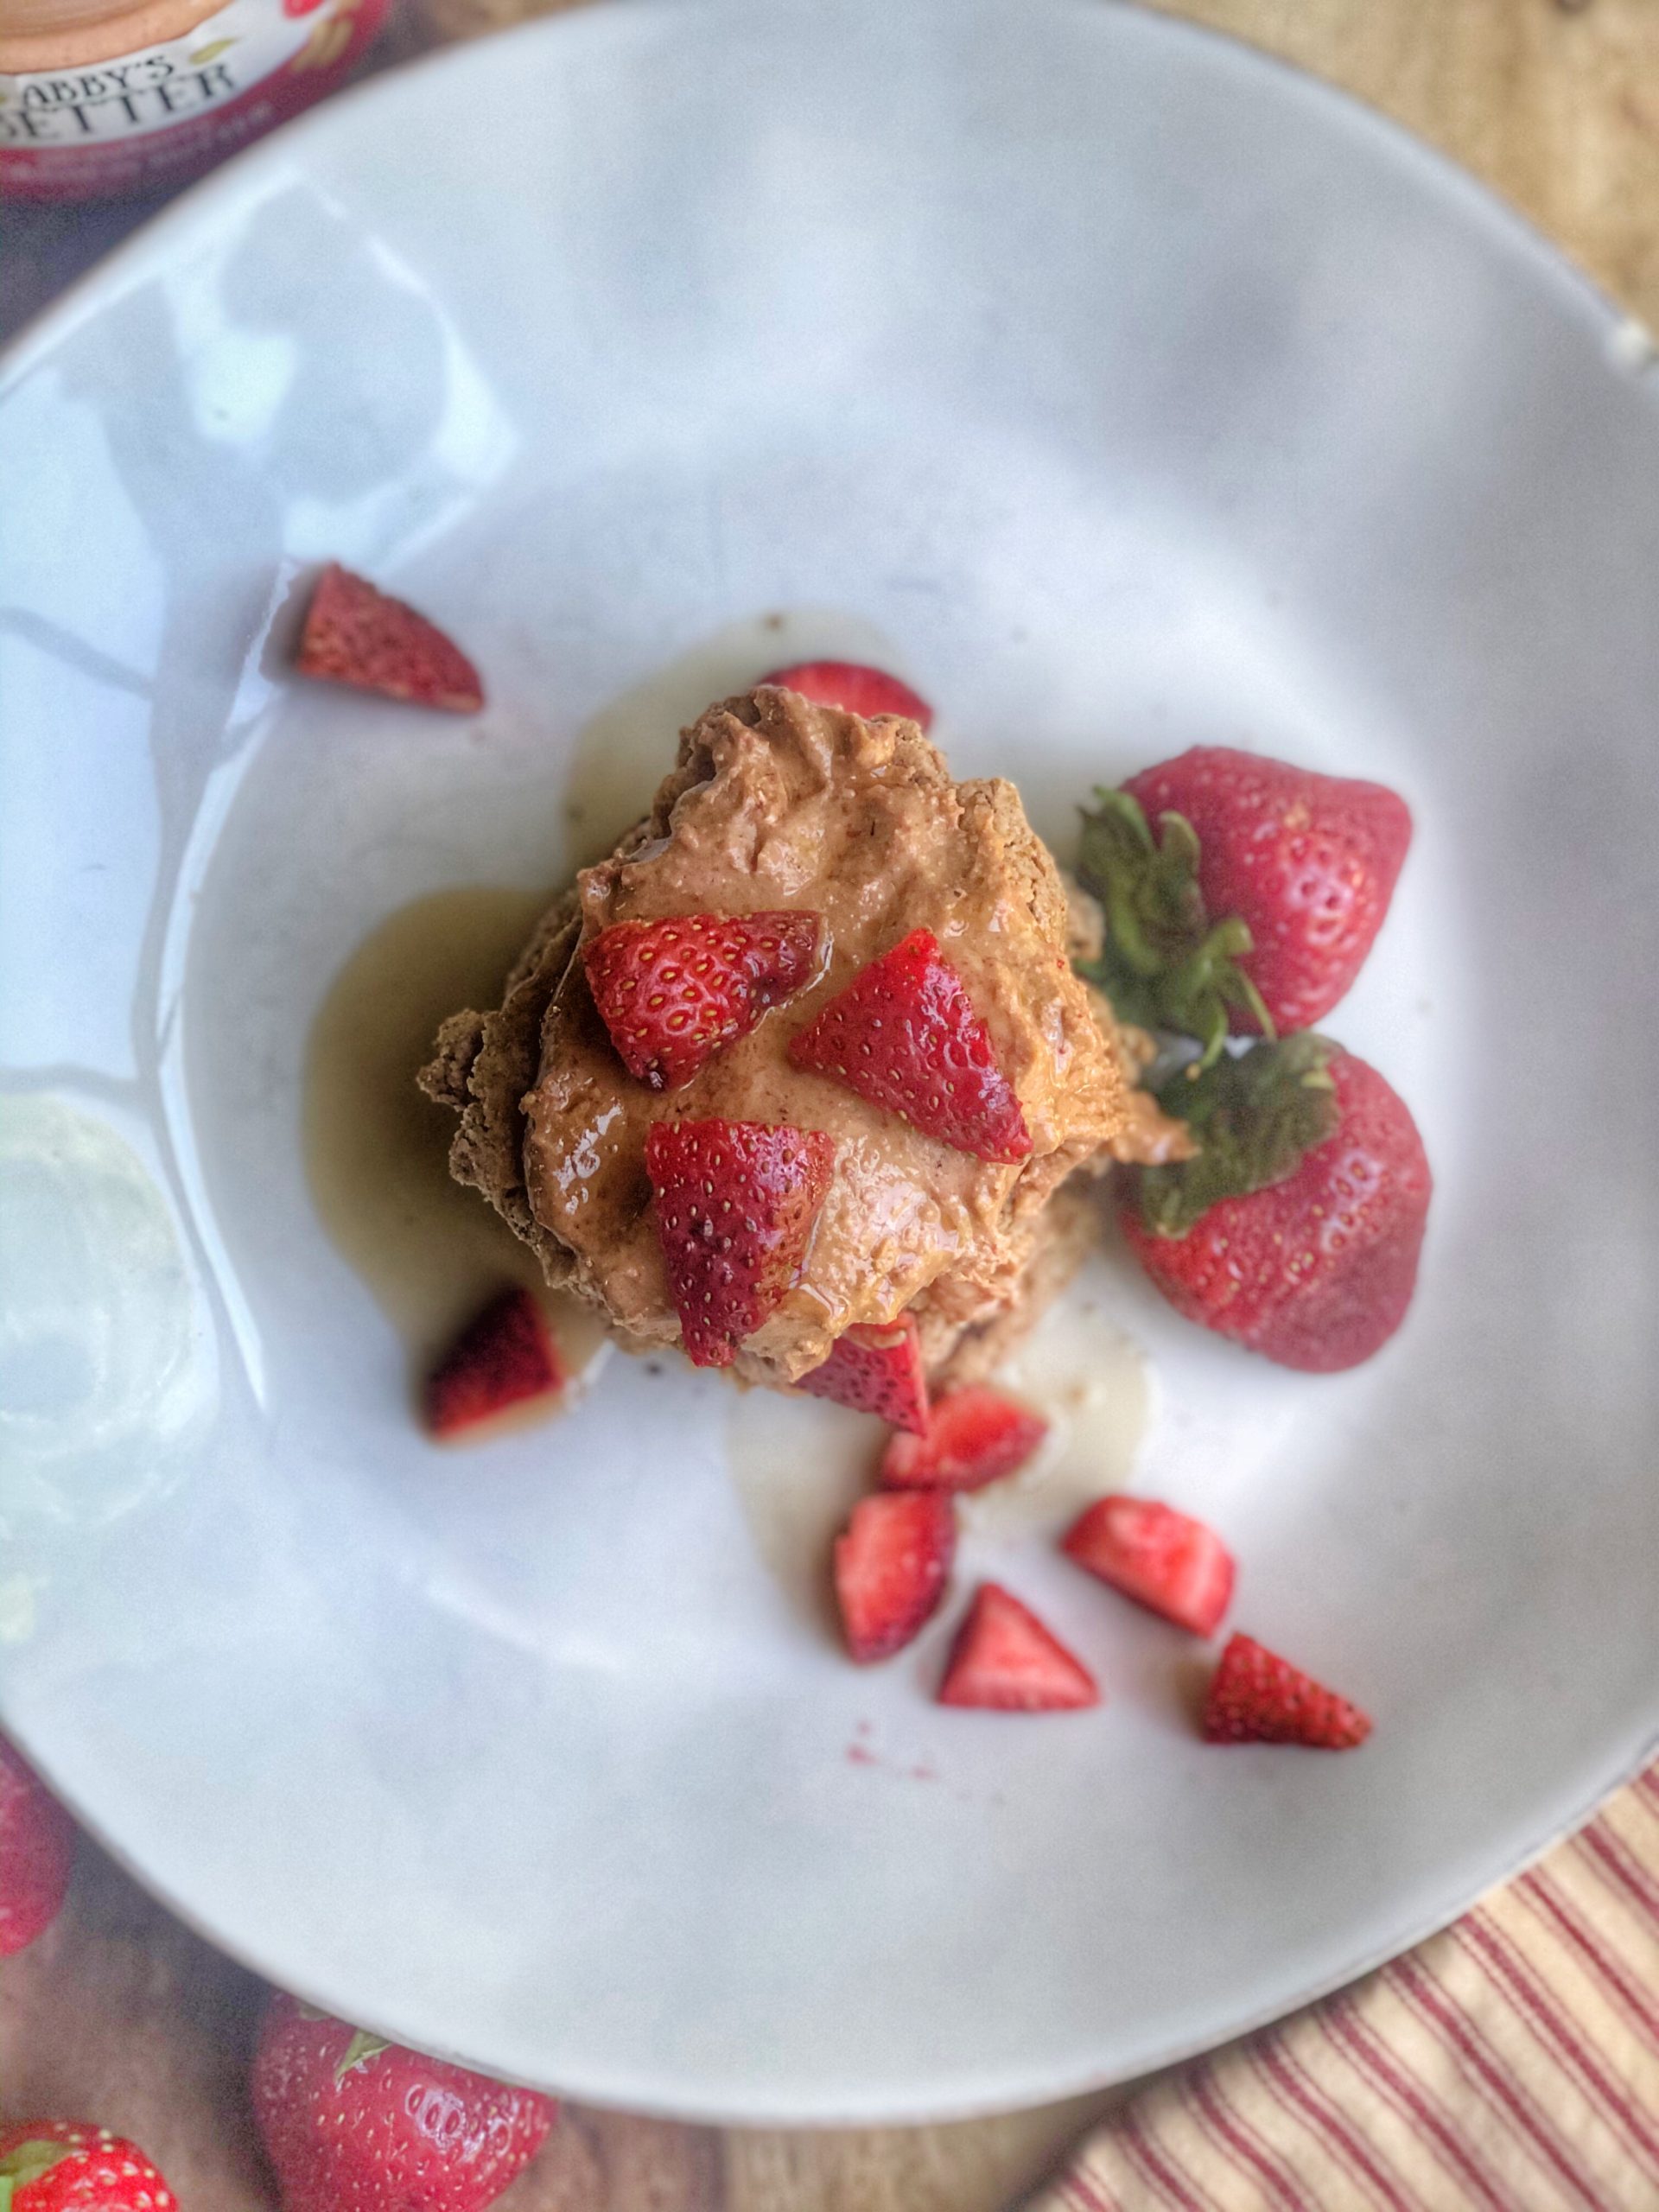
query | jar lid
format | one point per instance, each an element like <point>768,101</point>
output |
<point>67,34</point>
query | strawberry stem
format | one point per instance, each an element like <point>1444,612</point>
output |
<point>1255,1114</point>
<point>1165,965</point>
<point>361,2049</point>
<point>25,2163</point>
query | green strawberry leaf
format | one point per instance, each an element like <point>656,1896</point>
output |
<point>361,2049</point>
<point>1165,965</point>
<point>1254,1115</point>
<point>25,2163</point>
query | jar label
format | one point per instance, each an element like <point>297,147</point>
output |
<point>245,67</point>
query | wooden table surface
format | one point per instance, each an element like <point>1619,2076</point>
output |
<point>119,2015</point>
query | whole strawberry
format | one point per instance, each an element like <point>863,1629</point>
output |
<point>63,2165</point>
<point>37,1846</point>
<point>1306,862</point>
<point>1296,1231</point>
<point>352,2124</point>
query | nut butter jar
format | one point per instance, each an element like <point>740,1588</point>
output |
<point>99,100</point>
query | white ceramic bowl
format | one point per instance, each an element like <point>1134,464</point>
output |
<point>1126,391</point>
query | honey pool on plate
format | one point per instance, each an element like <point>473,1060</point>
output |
<point>376,1150</point>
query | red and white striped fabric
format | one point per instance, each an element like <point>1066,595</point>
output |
<point>1509,2065</point>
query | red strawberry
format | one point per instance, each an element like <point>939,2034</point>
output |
<point>892,1566</point>
<point>37,1848</point>
<point>851,685</point>
<point>352,2124</point>
<point>1314,1270</point>
<point>736,1202</point>
<point>903,1034</point>
<point>675,993</point>
<point>875,1371</point>
<point>1160,1558</point>
<point>973,1437</point>
<point>504,1358</point>
<point>355,635</point>
<point>1006,1661</point>
<point>1255,1697</point>
<point>1307,862</point>
<point>64,2165</point>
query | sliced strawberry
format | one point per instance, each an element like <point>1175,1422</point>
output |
<point>1255,1697</point>
<point>66,2166</point>
<point>355,635</point>
<point>505,1358</point>
<point>37,1850</point>
<point>849,684</point>
<point>674,992</point>
<point>875,1371</point>
<point>736,1205</point>
<point>892,1566</point>
<point>1162,1559</point>
<point>973,1437</point>
<point>1006,1661</point>
<point>903,1034</point>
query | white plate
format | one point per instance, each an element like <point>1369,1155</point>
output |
<point>1126,391</point>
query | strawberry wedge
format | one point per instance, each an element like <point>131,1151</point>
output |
<point>502,1360</point>
<point>892,1566</point>
<point>1005,1661</point>
<point>875,1371</point>
<point>1164,1560</point>
<point>903,1034</point>
<point>736,1202</point>
<point>972,1437</point>
<point>854,688</point>
<point>357,635</point>
<point>1256,1697</point>
<point>674,992</point>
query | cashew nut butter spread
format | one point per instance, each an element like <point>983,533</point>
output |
<point>776,802</point>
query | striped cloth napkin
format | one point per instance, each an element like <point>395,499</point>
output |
<point>1509,2065</point>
